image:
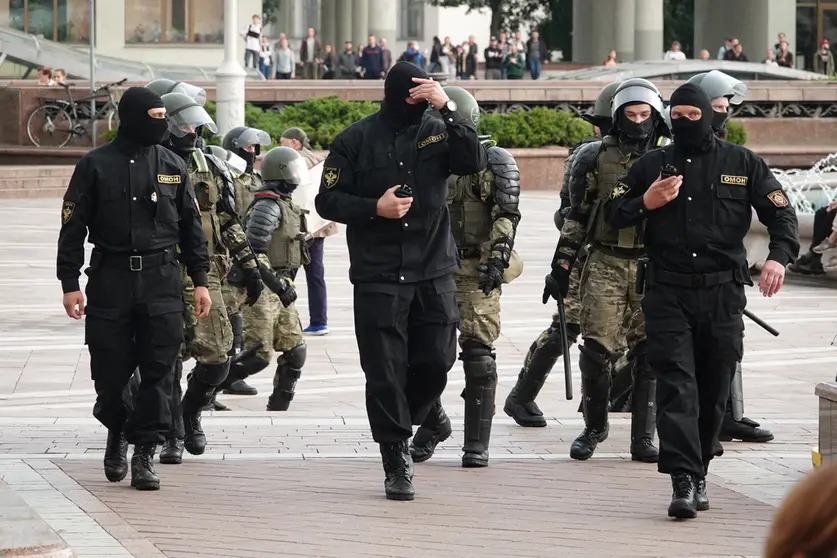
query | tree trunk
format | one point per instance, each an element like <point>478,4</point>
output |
<point>497,16</point>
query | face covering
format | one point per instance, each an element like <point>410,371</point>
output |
<point>185,144</point>
<point>249,158</point>
<point>692,134</point>
<point>719,123</point>
<point>635,131</point>
<point>397,87</point>
<point>134,122</point>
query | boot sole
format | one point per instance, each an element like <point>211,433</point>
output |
<point>146,486</point>
<point>703,507</point>
<point>654,459</point>
<point>681,512</point>
<point>425,457</point>
<point>171,460</point>
<point>474,463</point>
<point>231,392</point>
<point>759,440</point>
<point>116,478</point>
<point>400,497</point>
<point>194,450</point>
<point>580,457</point>
<point>533,422</point>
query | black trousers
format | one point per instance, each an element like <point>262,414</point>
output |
<point>133,319</point>
<point>694,342</point>
<point>406,337</point>
<point>823,221</point>
<point>315,279</point>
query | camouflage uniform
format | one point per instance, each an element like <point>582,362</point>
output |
<point>484,217</point>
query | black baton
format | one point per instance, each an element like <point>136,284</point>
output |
<point>568,371</point>
<point>761,323</point>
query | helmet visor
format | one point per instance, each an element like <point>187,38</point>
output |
<point>296,172</point>
<point>196,93</point>
<point>252,136</point>
<point>236,163</point>
<point>636,94</point>
<point>186,120</point>
<point>718,84</point>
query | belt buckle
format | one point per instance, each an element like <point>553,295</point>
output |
<point>135,263</point>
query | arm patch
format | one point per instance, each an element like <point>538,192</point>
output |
<point>67,212</point>
<point>619,190</point>
<point>778,198</point>
<point>331,175</point>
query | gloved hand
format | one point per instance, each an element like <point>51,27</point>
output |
<point>287,294</point>
<point>253,283</point>
<point>490,275</point>
<point>557,283</point>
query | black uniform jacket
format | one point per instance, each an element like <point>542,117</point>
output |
<point>371,156</point>
<point>702,230</point>
<point>131,201</point>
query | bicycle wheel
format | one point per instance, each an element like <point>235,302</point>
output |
<point>113,119</point>
<point>50,126</point>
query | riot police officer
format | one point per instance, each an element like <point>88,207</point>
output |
<point>135,200</point>
<point>161,86</point>
<point>609,300</point>
<point>386,178</point>
<point>484,216</point>
<point>695,200</point>
<point>548,348</point>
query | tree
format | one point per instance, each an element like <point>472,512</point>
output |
<point>271,9</point>
<point>679,25</point>
<point>506,15</point>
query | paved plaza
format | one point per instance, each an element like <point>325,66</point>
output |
<point>308,482</point>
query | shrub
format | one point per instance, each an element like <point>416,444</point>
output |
<point>736,133</point>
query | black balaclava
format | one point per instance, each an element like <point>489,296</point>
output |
<point>397,89</point>
<point>719,123</point>
<point>638,138</point>
<point>692,135</point>
<point>249,158</point>
<point>281,186</point>
<point>135,125</point>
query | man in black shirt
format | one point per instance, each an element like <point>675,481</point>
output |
<point>385,177</point>
<point>493,60</point>
<point>695,198</point>
<point>135,201</point>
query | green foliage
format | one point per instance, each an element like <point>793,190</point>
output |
<point>538,127</point>
<point>505,15</point>
<point>736,133</point>
<point>679,25</point>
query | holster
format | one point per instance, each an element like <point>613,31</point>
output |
<point>641,271</point>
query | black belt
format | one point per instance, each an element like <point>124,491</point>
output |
<point>689,280</point>
<point>618,251</point>
<point>133,262</point>
<point>465,253</point>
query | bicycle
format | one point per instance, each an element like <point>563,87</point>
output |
<point>60,119</point>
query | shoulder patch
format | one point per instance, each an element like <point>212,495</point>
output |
<point>734,180</point>
<point>267,194</point>
<point>619,190</point>
<point>168,178</point>
<point>331,175</point>
<point>432,139</point>
<point>67,211</point>
<point>778,198</point>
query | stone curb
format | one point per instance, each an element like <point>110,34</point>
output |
<point>24,533</point>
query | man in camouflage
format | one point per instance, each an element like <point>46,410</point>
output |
<point>548,348</point>
<point>208,340</point>
<point>277,232</point>
<point>608,281</point>
<point>484,217</point>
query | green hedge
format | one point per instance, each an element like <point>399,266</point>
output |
<point>323,118</point>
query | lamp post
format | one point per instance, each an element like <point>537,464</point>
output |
<point>230,77</point>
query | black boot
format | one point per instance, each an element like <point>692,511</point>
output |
<point>203,381</point>
<point>480,388</point>
<point>172,452</point>
<point>214,404</point>
<point>240,387</point>
<point>434,430</point>
<point>398,466</point>
<point>542,356</point>
<point>288,371</point>
<point>701,499</point>
<point>116,456</point>
<point>643,414</point>
<point>595,388</point>
<point>745,430</point>
<point>684,498</point>
<point>808,264</point>
<point>240,370</point>
<point>621,385</point>
<point>143,476</point>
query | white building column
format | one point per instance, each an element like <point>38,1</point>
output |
<point>360,22</point>
<point>601,38</point>
<point>383,20</point>
<point>328,23</point>
<point>230,77</point>
<point>648,42</point>
<point>345,14</point>
<point>624,30</point>
<point>582,30</point>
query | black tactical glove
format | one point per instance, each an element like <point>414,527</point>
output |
<point>253,282</point>
<point>490,275</point>
<point>287,295</point>
<point>557,283</point>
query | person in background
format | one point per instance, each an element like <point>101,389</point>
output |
<point>45,77</point>
<point>471,58</point>
<point>330,62</point>
<point>493,60</point>
<point>770,59</point>
<point>347,62</point>
<point>310,53</point>
<point>59,76</point>
<point>372,63</point>
<point>448,59</point>
<point>810,263</point>
<point>504,46</point>
<point>782,38</point>
<point>611,58</point>
<point>252,41</point>
<point>387,54</point>
<point>736,54</point>
<point>675,53</point>
<point>704,55</point>
<point>460,61</point>
<point>266,58</point>
<point>722,52</point>
<point>412,55</point>
<point>824,59</point>
<point>284,60</point>
<point>436,55</point>
<point>784,57</point>
<point>536,54</point>
<point>515,63</point>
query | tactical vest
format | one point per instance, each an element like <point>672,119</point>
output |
<point>611,165</point>
<point>288,249</point>
<point>470,217</point>
<point>245,186</point>
<point>207,194</point>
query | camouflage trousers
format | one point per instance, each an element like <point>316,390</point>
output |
<point>479,313</point>
<point>268,321</point>
<point>207,339</point>
<point>611,310</point>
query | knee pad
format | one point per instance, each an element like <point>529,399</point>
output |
<point>472,349</point>
<point>481,370</point>
<point>573,331</point>
<point>295,358</point>
<point>594,359</point>
<point>245,368</point>
<point>211,374</point>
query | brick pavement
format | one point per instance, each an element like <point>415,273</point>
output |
<point>315,459</point>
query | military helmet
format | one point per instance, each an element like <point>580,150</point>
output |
<point>718,84</point>
<point>283,164</point>
<point>242,136</point>
<point>185,115</point>
<point>466,105</point>
<point>236,163</point>
<point>601,109</point>
<point>636,90</point>
<point>161,86</point>
<point>667,116</point>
